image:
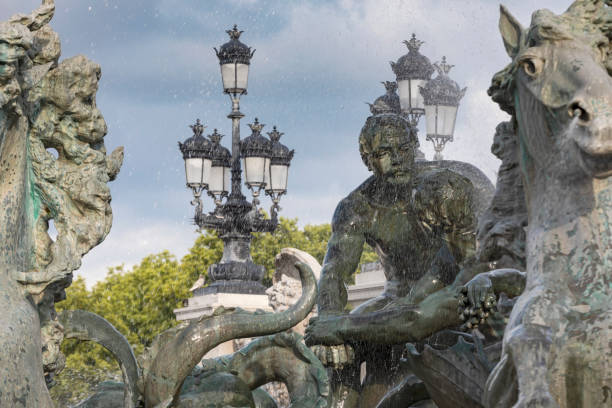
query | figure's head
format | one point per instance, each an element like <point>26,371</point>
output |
<point>559,88</point>
<point>387,147</point>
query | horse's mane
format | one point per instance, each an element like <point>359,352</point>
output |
<point>589,21</point>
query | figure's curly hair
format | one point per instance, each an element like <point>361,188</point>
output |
<point>374,124</point>
<point>587,20</point>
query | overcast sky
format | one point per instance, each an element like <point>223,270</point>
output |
<point>317,63</point>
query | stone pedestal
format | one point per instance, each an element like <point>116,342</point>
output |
<point>204,305</point>
<point>369,283</point>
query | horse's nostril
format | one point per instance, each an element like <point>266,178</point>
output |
<point>575,110</point>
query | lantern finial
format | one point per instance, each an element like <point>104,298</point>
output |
<point>387,103</point>
<point>198,128</point>
<point>414,44</point>
<point>234,33</point>
<point>215,137</point>
<point>256,127</point>
<point>275,135</point>
<point>442,67</point>
<point>390,86</point>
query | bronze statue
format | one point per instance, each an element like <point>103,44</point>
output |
<point>419,217</point>
<point>45,105</point>
<point>166,373</point>
<point>54,167</point>
<point>557,345</point>
<point>421,222</point>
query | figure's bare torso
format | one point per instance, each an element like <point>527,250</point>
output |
<point>408,259</point>
<point>403,229</point>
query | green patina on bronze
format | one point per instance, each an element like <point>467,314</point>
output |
<point>282,357</point>
<point>558,88</point>
<point>412,215</point>
<point>176,352</point>
<point>419,217</point>
<point>421,220</point>
<point>45,104</point>
<point>166,374</point>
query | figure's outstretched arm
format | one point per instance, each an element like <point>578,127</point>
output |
<point>391,325</point>
<point>399,323</point>
<point>342,258</point>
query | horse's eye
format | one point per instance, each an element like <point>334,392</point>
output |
<point>532,66</point>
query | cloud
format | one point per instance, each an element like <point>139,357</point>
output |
<point>316,64</point>
<point>241,3</point>
<point>310,209</point>
<point>131,240</point>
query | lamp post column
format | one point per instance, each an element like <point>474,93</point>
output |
<point>235,116</point>
<point>236,263</point>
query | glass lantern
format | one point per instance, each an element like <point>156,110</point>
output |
<point>441,96</point>
<point>220,173</point>
<point>279,166</point>
<point>440,119</point>
<point>234,58</point>
<point>412,71</point>
<point>197,155</point>
<point>255,152</point>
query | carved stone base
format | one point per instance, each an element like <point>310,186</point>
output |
<point>204,305</point>
<point>232,286</point>
<point>233,270</point>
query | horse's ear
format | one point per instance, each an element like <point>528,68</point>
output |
<point>511,30</point>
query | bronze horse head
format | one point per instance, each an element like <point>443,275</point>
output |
<point>559,89</point>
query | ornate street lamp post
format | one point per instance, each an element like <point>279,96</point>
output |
<point>437,99</point>
<point>208,167</point>
<point>441,97</point>
<point>412,71</point>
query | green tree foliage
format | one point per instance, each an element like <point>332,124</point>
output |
<point>312,239</point>
<point>208,248</point>
<point>139,302</point>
